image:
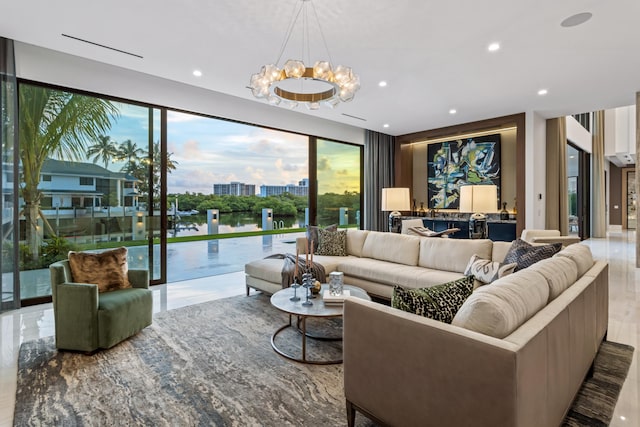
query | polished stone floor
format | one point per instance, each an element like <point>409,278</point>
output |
<point>624,317</point>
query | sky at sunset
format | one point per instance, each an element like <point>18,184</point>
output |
<point>209,151</point>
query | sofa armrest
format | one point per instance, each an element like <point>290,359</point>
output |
<point>405,369</point>
<point>139,278</point>
<point>565,240</point>
<point>75,311</point>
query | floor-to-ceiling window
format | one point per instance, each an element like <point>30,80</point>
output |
<point>85,167</point>
<point>232,187</point>
<point>339,183</point>
<point>97,173</point>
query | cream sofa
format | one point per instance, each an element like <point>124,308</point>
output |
<point>515,354</point>
<point>376,261</point>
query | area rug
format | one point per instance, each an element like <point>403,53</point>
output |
<point>212,364</point>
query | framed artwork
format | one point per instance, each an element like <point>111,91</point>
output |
<point>459,162</point>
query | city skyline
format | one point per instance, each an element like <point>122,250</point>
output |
<point>209,151</point>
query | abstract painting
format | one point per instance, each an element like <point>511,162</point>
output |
<point>464,161</point>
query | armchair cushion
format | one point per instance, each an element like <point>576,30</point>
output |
<point>107,269</point>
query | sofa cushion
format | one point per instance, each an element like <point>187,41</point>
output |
<point>440,302</point>
<point>501,307</point>
<point>499,250</point>
<point>312,234</point>
<point>486,271</point>
<point>452,254</point>
<point>392,247</point>
<point>106,269</point>
<point>332,243</point>
<point>355,241</point>
<point>389,273</point>
<point>559,272</point>
<point>581,255</point>
<point>526,254</point>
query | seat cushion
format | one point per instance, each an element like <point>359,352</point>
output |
<point>389,273</point>
<point>440,302</point>
<point>123,313</point>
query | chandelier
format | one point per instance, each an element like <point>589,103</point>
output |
<point>296,82</point>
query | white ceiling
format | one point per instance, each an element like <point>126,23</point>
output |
<point>433,54</point>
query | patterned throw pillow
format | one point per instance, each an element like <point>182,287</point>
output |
<point>440,302</point>
<point>107,269</point>
<point>332,243</point>
<point>486,271</point>
<point>525,254</point>
<point>313,236</point>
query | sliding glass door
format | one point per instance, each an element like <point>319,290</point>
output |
<point>89,180</point>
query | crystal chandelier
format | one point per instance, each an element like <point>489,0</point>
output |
<point>297,83</point>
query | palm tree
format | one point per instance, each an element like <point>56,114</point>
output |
<point>129,150</point>
<point>53,123</point>
<point>104,150</point>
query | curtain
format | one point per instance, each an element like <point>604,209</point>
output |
<point>379,156</point>
<point>598,220</point>
<point>557,204</point>
<point>637,173</point>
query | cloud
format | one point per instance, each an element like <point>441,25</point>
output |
<point>343,172</point>
<point>323,164</point>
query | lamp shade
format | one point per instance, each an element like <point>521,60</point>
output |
<point>395,199</point>
<point>479,198</point>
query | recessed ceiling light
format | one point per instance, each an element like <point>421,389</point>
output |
<point>382,83</point>
<point>452,111</point>
<point>622,417</point>
<point>493,47</point>
<point>197,73</point>
<point>577,19</point>
<point>542,92</point>
<point>386,125</point>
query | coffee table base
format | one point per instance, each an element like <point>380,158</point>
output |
<point>302,328</point>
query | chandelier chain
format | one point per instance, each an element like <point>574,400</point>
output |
<point>287,36</point>
<point>324,40</point>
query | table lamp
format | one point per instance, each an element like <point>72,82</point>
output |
<point>395,200</point>
<point>478,200</point>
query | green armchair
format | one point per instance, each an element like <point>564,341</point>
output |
<point>86,320</point>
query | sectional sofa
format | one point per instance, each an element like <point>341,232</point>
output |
<point>515,354</point>
<point>377,261</point>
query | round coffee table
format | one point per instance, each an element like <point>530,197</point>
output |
<point>281,300</point>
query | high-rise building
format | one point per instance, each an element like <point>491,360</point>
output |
<point>302,189</point>
<point>234,189</point>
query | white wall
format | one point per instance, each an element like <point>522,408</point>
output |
<point>48,66</point>
<point>578,135</point>
<point>535,172</point>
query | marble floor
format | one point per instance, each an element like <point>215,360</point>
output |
<point>624,318</point>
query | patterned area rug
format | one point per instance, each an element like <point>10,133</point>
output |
<point>212,364</point>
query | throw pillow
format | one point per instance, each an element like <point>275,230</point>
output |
<point>440,302</point>
<point>525,254</point>
<point>107,269</point>
<point>486,271</point>
<point>332,243</point>
<point>312,234</point>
